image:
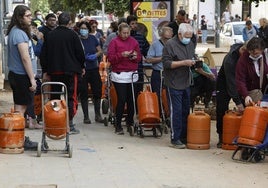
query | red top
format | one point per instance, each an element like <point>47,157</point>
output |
<point>118,62</point>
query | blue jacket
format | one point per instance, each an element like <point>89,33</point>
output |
<point>244,33</point>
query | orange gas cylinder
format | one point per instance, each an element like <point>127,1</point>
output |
<point>12,133</point>
<point>198,130</point>
<point>148,107</point>
<point>165,102</point>
<point>37,104</point>
<point>55,119</point>
<point>231,125</point>
<point>253,125</point>
<point>113,96</point>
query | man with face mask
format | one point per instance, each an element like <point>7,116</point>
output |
<point>177,59</point>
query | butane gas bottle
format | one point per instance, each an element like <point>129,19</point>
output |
<point>148,107</point>
<point>55,119</point>
<point>198,130</point>
<point>231,125</point>
<point>12,133</point>
<point>253,125</point>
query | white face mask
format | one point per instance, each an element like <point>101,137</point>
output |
<point>39,17</point>
<point>255,58</point>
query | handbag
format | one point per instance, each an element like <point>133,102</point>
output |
<point>255,94</point>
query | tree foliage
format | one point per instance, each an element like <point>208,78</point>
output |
<point>118,7</point>
<point>41,5</point>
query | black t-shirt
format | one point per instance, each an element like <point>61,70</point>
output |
<point>203,25</point>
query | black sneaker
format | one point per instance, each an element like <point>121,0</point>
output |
<point>219,144</point>
<point>119,132</point>
<point>178,144</point>
<point>87,121</point>
<point>74,131</point>
<point>30,145</point>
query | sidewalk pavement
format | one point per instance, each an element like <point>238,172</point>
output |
<point>103,159</point>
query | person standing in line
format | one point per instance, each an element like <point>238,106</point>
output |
<point>154,57</point>
<point>112,36</point>
<point>37,39</point>
<point>251,72</point>
<point>50,24</point>
<point>144,45</point>
<point>180,18</point>
<point>20,55</point>
<point>178,55</point>
<point>263,30</point>
<point>204,29</point>
<point>124,55</point>
<point>226,87</point>
<point>62,60</point>
<point>92,76</point>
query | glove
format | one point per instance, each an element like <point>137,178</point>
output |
<point>248,101</point>
<point>91,57</point>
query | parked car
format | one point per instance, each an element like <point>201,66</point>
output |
<point>99,20</point>
<point>231,33</point>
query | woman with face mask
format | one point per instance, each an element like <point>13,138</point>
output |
<point>92,52</point>
<point>252,71</point>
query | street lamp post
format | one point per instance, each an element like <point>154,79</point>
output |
<point>103,12</point>
<point>218,27</point>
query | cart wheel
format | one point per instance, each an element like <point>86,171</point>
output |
<point>39,149</point>
<point>246,153</point>
<point>258,157</point>
<point>70,150</point>
<point>105,121</point>
<point>105,106</point>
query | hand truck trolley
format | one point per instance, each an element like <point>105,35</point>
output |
<point>55,115</point>
<point>147,112</point>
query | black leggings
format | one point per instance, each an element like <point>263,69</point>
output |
<point>124,95</point>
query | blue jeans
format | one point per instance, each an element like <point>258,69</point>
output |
<point>204,35</point>
<point>179,105</point>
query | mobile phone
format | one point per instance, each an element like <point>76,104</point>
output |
<point>198,64</point>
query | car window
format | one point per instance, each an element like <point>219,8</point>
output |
<point>238,29</point>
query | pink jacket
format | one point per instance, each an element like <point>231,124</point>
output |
<point>118,62</point>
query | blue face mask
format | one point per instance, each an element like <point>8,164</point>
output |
<point>84,32</point>
<point>185,40</point>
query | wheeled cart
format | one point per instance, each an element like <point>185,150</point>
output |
<point>55,117</point>
<point>147,112</point>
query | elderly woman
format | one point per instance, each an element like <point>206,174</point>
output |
<point>124,55</point>
<point>252,71</point>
